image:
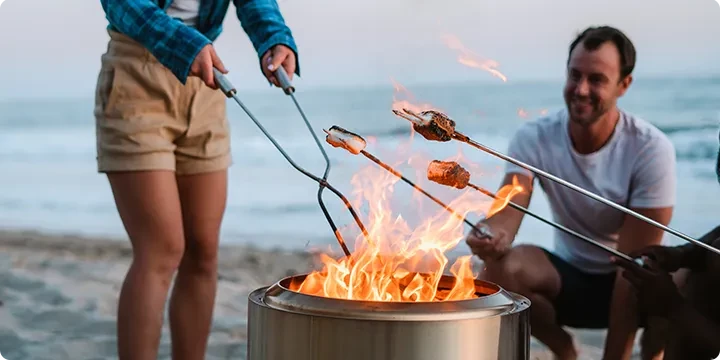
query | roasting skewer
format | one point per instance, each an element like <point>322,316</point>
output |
<point>355,144</point>
<point>450,173</point>
<point>229,90</point>
<point>441,128</point>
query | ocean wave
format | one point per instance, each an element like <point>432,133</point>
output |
<point>692,142</point>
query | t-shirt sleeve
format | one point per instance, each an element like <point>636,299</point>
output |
<point>523,147</point>
<point>654,179</point>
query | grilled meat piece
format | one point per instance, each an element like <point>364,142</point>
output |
<point>448,173</point>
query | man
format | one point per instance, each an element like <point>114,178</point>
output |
<point>695,318</point>
<point>599,147</point>
<point>163,141</point>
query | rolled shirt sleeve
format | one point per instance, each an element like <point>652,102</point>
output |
<point>264,24</point>
<point>173,43</point>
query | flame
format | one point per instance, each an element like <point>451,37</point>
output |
<point>523,113</point>
<point>402,262</point>
<point>470,59</point>
<point>409,101</point>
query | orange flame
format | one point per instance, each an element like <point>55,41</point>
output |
<point>403,263</point>
<point>526,114</point>
<point>404,99</point>
<point>470,59</point>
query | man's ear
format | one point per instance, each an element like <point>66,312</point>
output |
<point>625,85</point>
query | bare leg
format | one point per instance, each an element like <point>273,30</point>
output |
<point>149,207</point>
<point>203,199</point>
<point>539,283</point>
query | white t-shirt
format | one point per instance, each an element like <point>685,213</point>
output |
<point>185,10</point>
<point>635,169</point>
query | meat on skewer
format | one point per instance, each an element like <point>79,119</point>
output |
<point>341,138</point>
<point>448,173</point>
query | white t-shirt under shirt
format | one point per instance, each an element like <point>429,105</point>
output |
<point>635,169</point>
<point>185,10</point>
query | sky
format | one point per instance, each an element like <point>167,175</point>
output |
<point>54,50</point>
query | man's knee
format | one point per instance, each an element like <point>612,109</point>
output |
<point>512,270</point>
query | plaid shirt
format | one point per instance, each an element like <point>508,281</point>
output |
<point>175,44</point>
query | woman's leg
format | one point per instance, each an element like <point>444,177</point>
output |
<point>149,206</point>
<point>203,199</point>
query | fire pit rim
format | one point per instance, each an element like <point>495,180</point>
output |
<point>280,297</point>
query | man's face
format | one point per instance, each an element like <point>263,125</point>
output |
<point>593,82</point>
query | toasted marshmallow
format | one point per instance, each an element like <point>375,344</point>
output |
<point>339,137</point>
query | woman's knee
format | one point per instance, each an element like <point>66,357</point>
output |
<point>201,254</point>
<point>161,256</point>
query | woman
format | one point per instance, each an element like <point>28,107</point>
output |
<point>163,141</point>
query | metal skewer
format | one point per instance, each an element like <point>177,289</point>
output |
<point>551,223</point>
<point>229,90</point>
<point>387,167</point>
<point>463,138</point>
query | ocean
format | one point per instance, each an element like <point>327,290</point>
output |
<point>48,178</point>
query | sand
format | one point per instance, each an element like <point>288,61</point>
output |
<point>58,297</point>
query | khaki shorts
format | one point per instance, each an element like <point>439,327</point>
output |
<point>147,120</point>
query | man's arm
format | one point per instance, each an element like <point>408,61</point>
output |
<point>652,194</point>
<point>693,255</point>
<point>264,24</point>
<point>174,44</point>
<point>703,332</point>
<point>509,219</point>
<point>523,147</point>
<point>635,234</point>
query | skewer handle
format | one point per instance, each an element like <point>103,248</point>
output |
<point>284,81</point>
<point>223,83</point>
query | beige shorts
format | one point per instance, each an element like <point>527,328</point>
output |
<point>147,120</point>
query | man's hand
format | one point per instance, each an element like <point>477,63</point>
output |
<point>278,55</point>
<point>656,292</point>
<point>666,258</point>
<point>203,64</point>
<point>488,247</point>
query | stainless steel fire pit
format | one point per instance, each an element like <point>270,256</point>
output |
<point>285,325</point>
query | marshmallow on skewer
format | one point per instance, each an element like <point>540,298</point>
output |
<point>432,125</point>
<point>339,137</point>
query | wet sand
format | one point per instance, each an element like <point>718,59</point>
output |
<point>58,297</point>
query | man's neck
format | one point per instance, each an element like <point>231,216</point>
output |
<point>591,138</point>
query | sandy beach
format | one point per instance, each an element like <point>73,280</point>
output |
<point>58,297</point>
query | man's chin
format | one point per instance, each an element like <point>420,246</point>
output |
<point>581,118</point>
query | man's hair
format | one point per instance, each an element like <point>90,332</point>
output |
<point>593,37</point>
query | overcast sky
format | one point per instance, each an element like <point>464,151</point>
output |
<point>53,48</point>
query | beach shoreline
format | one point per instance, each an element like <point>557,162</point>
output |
<point>58,296</point>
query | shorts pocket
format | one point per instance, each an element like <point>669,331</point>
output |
<point>105,92</point>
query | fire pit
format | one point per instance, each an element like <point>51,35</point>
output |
<point>286,324</point>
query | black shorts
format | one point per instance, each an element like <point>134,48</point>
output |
<point>584,298</point>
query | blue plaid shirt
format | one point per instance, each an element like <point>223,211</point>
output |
<point>175,44</point>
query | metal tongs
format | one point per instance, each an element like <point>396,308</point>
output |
<point>436,126</point>
<point>229,90</point>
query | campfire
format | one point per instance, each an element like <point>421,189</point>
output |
<point>386,265</point>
